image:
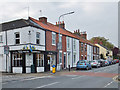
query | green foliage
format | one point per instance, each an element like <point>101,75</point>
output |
<point>104,42</point>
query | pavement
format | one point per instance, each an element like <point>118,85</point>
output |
<point>103,77</point>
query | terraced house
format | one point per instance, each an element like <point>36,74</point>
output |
<point>33,46</point>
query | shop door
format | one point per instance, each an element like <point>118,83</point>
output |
<point>48,64</point>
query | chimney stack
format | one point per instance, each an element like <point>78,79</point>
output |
<point>43,20</point>
<point>62,24</point>
<point>83,34</point>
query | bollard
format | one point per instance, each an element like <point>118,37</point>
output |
<point>69,68</point>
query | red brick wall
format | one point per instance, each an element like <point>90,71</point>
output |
<point>63,49</point>
<point>82,52</point>
<point>49,46</point>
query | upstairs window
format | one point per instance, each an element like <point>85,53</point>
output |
<point>74,44</point>
<point>53,38</point>
<point>17,38</point>
<point>37,38</point>
<point>94,49</point>
<point>82,47</point>
<point>1,39</point>
<point>85,47</point>
<point>68,42</point>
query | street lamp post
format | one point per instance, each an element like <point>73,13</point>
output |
<point>59,32</point>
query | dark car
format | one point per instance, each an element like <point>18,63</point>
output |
<point>102,62</point>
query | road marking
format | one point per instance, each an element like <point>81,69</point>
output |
<point>30,78</point>
<point>35,78</point>
<point>108,84</point>
<point>78,77</point>
<point>45,85</point>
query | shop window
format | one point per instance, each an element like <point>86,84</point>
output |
<point>40,60</point>
<point>17,60</point>
<point>17,38</point>
<point>37,38</point>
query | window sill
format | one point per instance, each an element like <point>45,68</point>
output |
<point>53,44</point>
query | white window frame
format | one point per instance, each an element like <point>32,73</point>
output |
<point>38,59</point>
<point>74,44</point>
<point>94,49</point>
<point>16,61</point>
<point>74,58</point>
<point>53,38</point>
<point>1,38</point>
<point>37,37</point>
<point>68,42</point>
<point>60,58</point>
<point>17,38</point>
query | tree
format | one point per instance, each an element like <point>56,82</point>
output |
<point>103,41</point>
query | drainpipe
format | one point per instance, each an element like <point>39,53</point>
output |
<point>72,52</point>
<point>6,54</point>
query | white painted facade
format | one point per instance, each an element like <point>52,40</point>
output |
<point>71,51</point>
<point>25,39</point>
<point>89,52</point>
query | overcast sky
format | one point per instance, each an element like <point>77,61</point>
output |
<point>96,18</point>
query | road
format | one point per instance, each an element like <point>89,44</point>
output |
<point>96,78</point>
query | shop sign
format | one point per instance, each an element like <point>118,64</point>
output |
<point>29,47</point>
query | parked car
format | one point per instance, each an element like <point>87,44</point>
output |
<point>110,62</point>
<point>114,61</point>
<point>106,62</point>
<point>95,63</point>
<point>102,62</point>
<point>83,64</point>
<point>117,60</point>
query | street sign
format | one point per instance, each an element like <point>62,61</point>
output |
<point>6,49</point>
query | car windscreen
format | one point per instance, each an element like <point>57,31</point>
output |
<point>82,61</point>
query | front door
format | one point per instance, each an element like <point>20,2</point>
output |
<point>48,64</point>
<point>64,60</point>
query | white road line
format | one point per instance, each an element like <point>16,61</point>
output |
<point>32,78</point>
<point>35,78</point>
<point>108,84</point>
<point>78,77</point>
<point>46,85</point>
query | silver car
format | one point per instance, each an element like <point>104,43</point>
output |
<point>95,63</point>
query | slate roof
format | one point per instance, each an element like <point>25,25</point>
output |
<point>19,23</point>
